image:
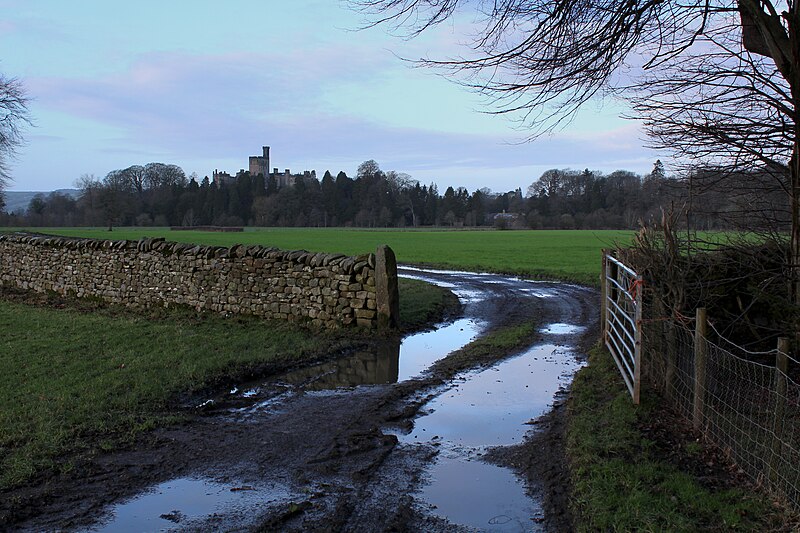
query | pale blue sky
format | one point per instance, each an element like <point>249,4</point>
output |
<point>205,84</point>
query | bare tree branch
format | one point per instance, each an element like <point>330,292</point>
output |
<point>13,116</point>
<point>716,82</point>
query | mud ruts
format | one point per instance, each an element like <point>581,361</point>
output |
<point>327,290</point>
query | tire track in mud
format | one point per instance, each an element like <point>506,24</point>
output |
<point>300,459</point>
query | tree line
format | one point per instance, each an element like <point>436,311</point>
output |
<point>157,194</point>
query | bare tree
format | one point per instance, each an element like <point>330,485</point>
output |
<point>119,188</point>
<point>159,175</point>
<point>368,169</point>
<point>13,116</point>
<point>135,177</point>
<point>544,59</point>
<point>717,81</point>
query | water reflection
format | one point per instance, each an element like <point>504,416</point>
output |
<point>562,329</point>
<point>362,368</point>
<point>488,408</point>
<point>176,503</point>
<point>508,395</point>
<point>391,362</point>
<point>420,351</point>
<point>459,491</point>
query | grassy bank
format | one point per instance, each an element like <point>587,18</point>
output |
<point>623,480</point>
<point>566,255</point>
<point>76,377</point>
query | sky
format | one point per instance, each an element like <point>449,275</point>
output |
<point>205,84</point>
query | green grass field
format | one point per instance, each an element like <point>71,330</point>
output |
<point>565,255</point>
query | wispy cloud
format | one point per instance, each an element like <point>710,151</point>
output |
<point>184,107</point>
<point>33,27</point>
<point>171,98</point>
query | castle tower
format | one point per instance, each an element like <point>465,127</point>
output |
<point>260,164</point>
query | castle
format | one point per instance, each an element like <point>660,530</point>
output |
<point>259,164</point>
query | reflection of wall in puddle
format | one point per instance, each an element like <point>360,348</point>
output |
<point>362,368</point>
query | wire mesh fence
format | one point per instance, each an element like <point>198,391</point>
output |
<point>748,408</point>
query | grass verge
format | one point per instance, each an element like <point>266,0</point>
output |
<point>423,304</point>
<point>77,376</point>
<point>622,482</point>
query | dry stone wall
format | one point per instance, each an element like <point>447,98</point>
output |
<point>327,290</point>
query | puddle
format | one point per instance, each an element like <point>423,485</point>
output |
<point>500,505</point>
<point>508,395</point>
<point>362,368</point>
<point>488,408</point>
<point>418,352</point>
<point>562,329</point>
<point>393,362</point>
<point>176,503</point>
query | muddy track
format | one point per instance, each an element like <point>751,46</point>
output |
<point>323,460</point>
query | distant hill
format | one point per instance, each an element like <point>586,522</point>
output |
<point>17,201</point>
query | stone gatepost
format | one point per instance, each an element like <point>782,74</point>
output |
<point>387,297</point>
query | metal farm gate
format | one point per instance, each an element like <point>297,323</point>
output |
<point>621,319</point>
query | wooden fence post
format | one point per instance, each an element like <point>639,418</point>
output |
<point>700,355</point>
<point>637,357</point>
<point>781,368</point>
<point>670,354</point>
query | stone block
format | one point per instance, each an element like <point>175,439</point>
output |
<point>365,313</point>
<point>364,323</point>
<point>387,293</point>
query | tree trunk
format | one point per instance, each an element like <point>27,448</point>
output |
<point>763,33</point>
<point>793,24</point>
<point>794,250</point>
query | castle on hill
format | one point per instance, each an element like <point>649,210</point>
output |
<point>259,164</point>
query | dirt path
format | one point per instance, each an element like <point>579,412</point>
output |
<point>285,455</point>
